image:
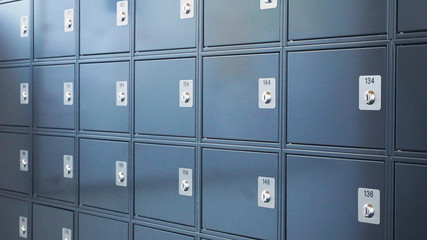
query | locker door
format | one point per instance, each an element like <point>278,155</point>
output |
<point>15,96</point>
<point>15,223</point>
<point>410,202</point>
<point>241,22</point>
<point>411,98</point>
<point>15,28</point>
<point>326,199</point>
<point>104,97</point>
<point>327,92</point>
<point>15,162</point>
<point>54,97</point>
<point>145,233</point>
<point>55,168</point>
<point>54,28</point>
<point>310,19</point>
<point>411,15</point>
<point>104,174</point>
<point>246,203</point>
<point>104,26</point>
<point>91,227</point>
<point>238,88</point>
<point>158,22</point>
<point>52,223</point>
<point>160,104</point>
<point>164,183</point>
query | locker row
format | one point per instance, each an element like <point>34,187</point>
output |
<point>166,189</point>
<point>350,88</point>
<point>104,26</point>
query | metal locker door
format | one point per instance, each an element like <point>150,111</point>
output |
<point>55,168</point>
<point>164,183</point>
<point>54,97</point>
<point>411,15</point>
<point>92,227</point>
<point>104,26</point>
<point>15,223</point>
<point>235,89</point>
<point>241,22</point>
<point>15,29</point>
<point>15,96</point>
<point>310,19</point>
<point>52,223</point>
<point>15,163</point>
<point>326,97</point>
<point>54,28</point>
<point>145,233</point>
<point>104,174</point>
<point>158,22</point>
<point>411,98</point>
<point>161,106</point>
<point>104,97</point>
<point>326,199</point>
<point>410,202</point>
<point>246,203</point>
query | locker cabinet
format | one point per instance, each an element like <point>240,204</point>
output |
<point>92,227</point>
<point>326,198</point>
<point>326,100</point>
<point>54,28</point>
<point>16,30</point>
<point>158,22</point>
<point>241,88</point>
<point>15,222</point>
<point>410,198</point>
<point>52,223</point>
<point>104,174</point>
<point>241,22</point>
<point>54,97</point>
<point>104,97</point>
<point>161,106</point>
<point>15,162</point>
<point>411,15</point>
<point>104,26</point>
<point>244,204</point>
<point>15,96</point>
<point>311,19</point>
<point>145,233</point>
<point>55,168</point>
<point>411,98</point>
<point>164,182</point>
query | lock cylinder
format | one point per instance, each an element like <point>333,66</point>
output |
<point>186,8</point>
<point>369,97</point>
<point>368,211</point>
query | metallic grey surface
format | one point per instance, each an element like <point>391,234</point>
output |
<point>48,222</point>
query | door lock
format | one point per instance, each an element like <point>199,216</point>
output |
<point>121,177</point>
<point>368,211</point>
<point>369,97</point>
<point>69,23</point>
<point>68,96</point>
<point>186,97</point>
<point>122,96</point>
<point>187,8</point>
<point>185,185</point>
<point>122,16</point>
<point>266,196</point>
<point>266,97</point>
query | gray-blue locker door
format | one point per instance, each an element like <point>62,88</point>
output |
<point>51,223</point>
<point>92,227</point>
<point>157,186</point>
<point>231,97</point>
<point>52,109</point>
<point>145,233</point>
<point>12,82</point>
<point>99,107</point>
<point>15,162</point>
<point>411,15</point>
<point>99,29</point>
<point>323,198</point>
<point>311,19</point>
<point>11,219</point>
<point>50,180</point>
<point>323,100</point>
<point>411,98</point>
<point>158,103</point>
<point>240,22</point>
<point>159,25</point>
<point>98,175</point>
<point>230,193</point>
<point>52,35</point>
<point>410,202</point>
<point>14,39</point>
